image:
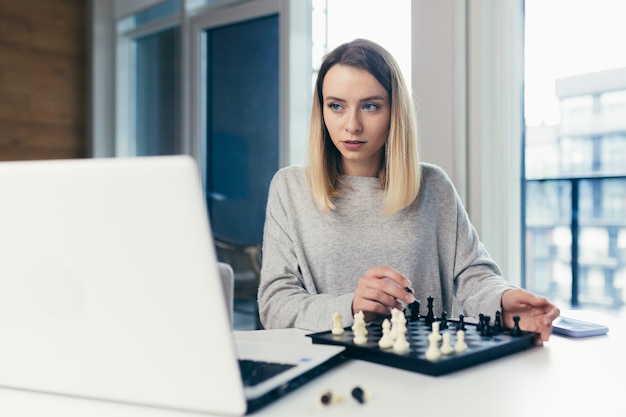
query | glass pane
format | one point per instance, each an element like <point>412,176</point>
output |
<point>574,107</point>
<point>602,264</point>
<point>242,125</point>
<point>548,238</point>
<point>157,83</point>
<point>157,12</point>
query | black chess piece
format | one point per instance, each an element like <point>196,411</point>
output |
<point>358,394</point>
<point>444,320</point>
<point>461,324</point>
<point>412,312</point>
<point>481,322</point>
<point>497,324</point>
<point>516,329</point>
<point>486,329</point>
<point>430,316</point>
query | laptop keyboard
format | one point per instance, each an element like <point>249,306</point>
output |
<point>255,372</point>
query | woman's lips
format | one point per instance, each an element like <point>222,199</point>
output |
<point>353,145</point>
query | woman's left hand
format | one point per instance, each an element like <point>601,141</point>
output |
<point>536,312</point>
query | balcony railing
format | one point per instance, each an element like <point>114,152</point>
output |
<point>575,230</point>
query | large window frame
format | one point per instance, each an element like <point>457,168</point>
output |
<point>467,60</point>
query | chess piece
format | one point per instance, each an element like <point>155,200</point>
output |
<point>395,314</point>
<point>435,332</point>
<point>446,347</point>
<point>400,344</point>
<point>359,330</point>
<point>337,324</point>
<point>360,395</point>
<point>386,341</point>
<point>330,398</point>
<point>433,353</point>
<point>444,320</point>
<point>481,322</point>
<point>497,324</point>
<point>460,346</point>
<point>486,330</point>
<point>516,329</point>
<point>413,311</point>
<point>430,315</point>
<point>461,324</point>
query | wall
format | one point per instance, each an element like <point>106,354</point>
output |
<point>42,79</point>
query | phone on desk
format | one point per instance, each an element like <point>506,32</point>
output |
<point>577,328</point>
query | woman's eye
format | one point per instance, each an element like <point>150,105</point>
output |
<point>334,106</point>
<point>370,107</point>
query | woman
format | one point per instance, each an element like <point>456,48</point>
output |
<point>365,219</point>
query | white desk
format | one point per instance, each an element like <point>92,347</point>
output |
<point>565,377</point>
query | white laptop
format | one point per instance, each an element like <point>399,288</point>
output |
<point>109,290</point>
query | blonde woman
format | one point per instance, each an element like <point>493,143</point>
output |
<point>365,219</point>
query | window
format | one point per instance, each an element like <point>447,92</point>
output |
<point>575,152</point>
<point>149,81</point>
<point>334,23</point>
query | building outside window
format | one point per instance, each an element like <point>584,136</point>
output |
<point>575,152</point>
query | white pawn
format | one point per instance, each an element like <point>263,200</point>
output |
<point>446,348</point>
<point>401,345</point>
<point>385,341</point>
<point>433,353</point>
<point>337,324</point>
<point>394,323</point>
<point>359,330</point>
<point>460,345</point>
<point>435,333</point>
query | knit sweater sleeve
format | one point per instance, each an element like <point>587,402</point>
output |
<point>286,297</point>
<point>478,279</point>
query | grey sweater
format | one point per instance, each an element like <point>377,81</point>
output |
<point>312,261</point>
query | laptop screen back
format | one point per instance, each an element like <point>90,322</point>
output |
<point>109,287</point>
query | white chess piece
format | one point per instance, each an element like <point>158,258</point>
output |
<point>446,347</point>
<point>359,330</point>
<point>401,345</point>
<point>460,345</point>
<point>435,327</point>
<point>433,353</point>
<point>385,341</point>
<point>394,323</point>
<point>337,324</point>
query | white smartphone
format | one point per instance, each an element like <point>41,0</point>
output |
<point>577,328</point>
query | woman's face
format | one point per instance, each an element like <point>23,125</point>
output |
<point>357,114</point>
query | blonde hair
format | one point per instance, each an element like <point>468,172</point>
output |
<point>399,171</point>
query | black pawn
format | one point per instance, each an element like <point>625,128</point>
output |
<point>444,320</point>
<point>516,329</point>
<point>461,324</point>
<point>430,316</point>
<point>358,394</point>
<point>481,322</point>
<point>486,328</point>
<point>413,313</point>
<point>497,324</point>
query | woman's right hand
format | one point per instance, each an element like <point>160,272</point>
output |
<point>379,291</point>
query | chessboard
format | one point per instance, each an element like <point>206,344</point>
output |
<point>482,342</point>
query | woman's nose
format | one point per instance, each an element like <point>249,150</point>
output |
<point>353,124</point>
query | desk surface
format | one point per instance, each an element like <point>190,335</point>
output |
<point>565,377</point>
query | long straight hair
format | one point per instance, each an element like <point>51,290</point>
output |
<point>399,171</point>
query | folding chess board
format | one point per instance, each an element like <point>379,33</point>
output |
<point>482,346</point>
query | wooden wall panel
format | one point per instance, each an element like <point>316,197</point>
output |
<point>42,79</point>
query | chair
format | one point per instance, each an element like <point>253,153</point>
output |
<point>228,283</point>
<point>245,260</point>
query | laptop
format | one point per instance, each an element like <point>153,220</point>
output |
<point>109,290</point>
